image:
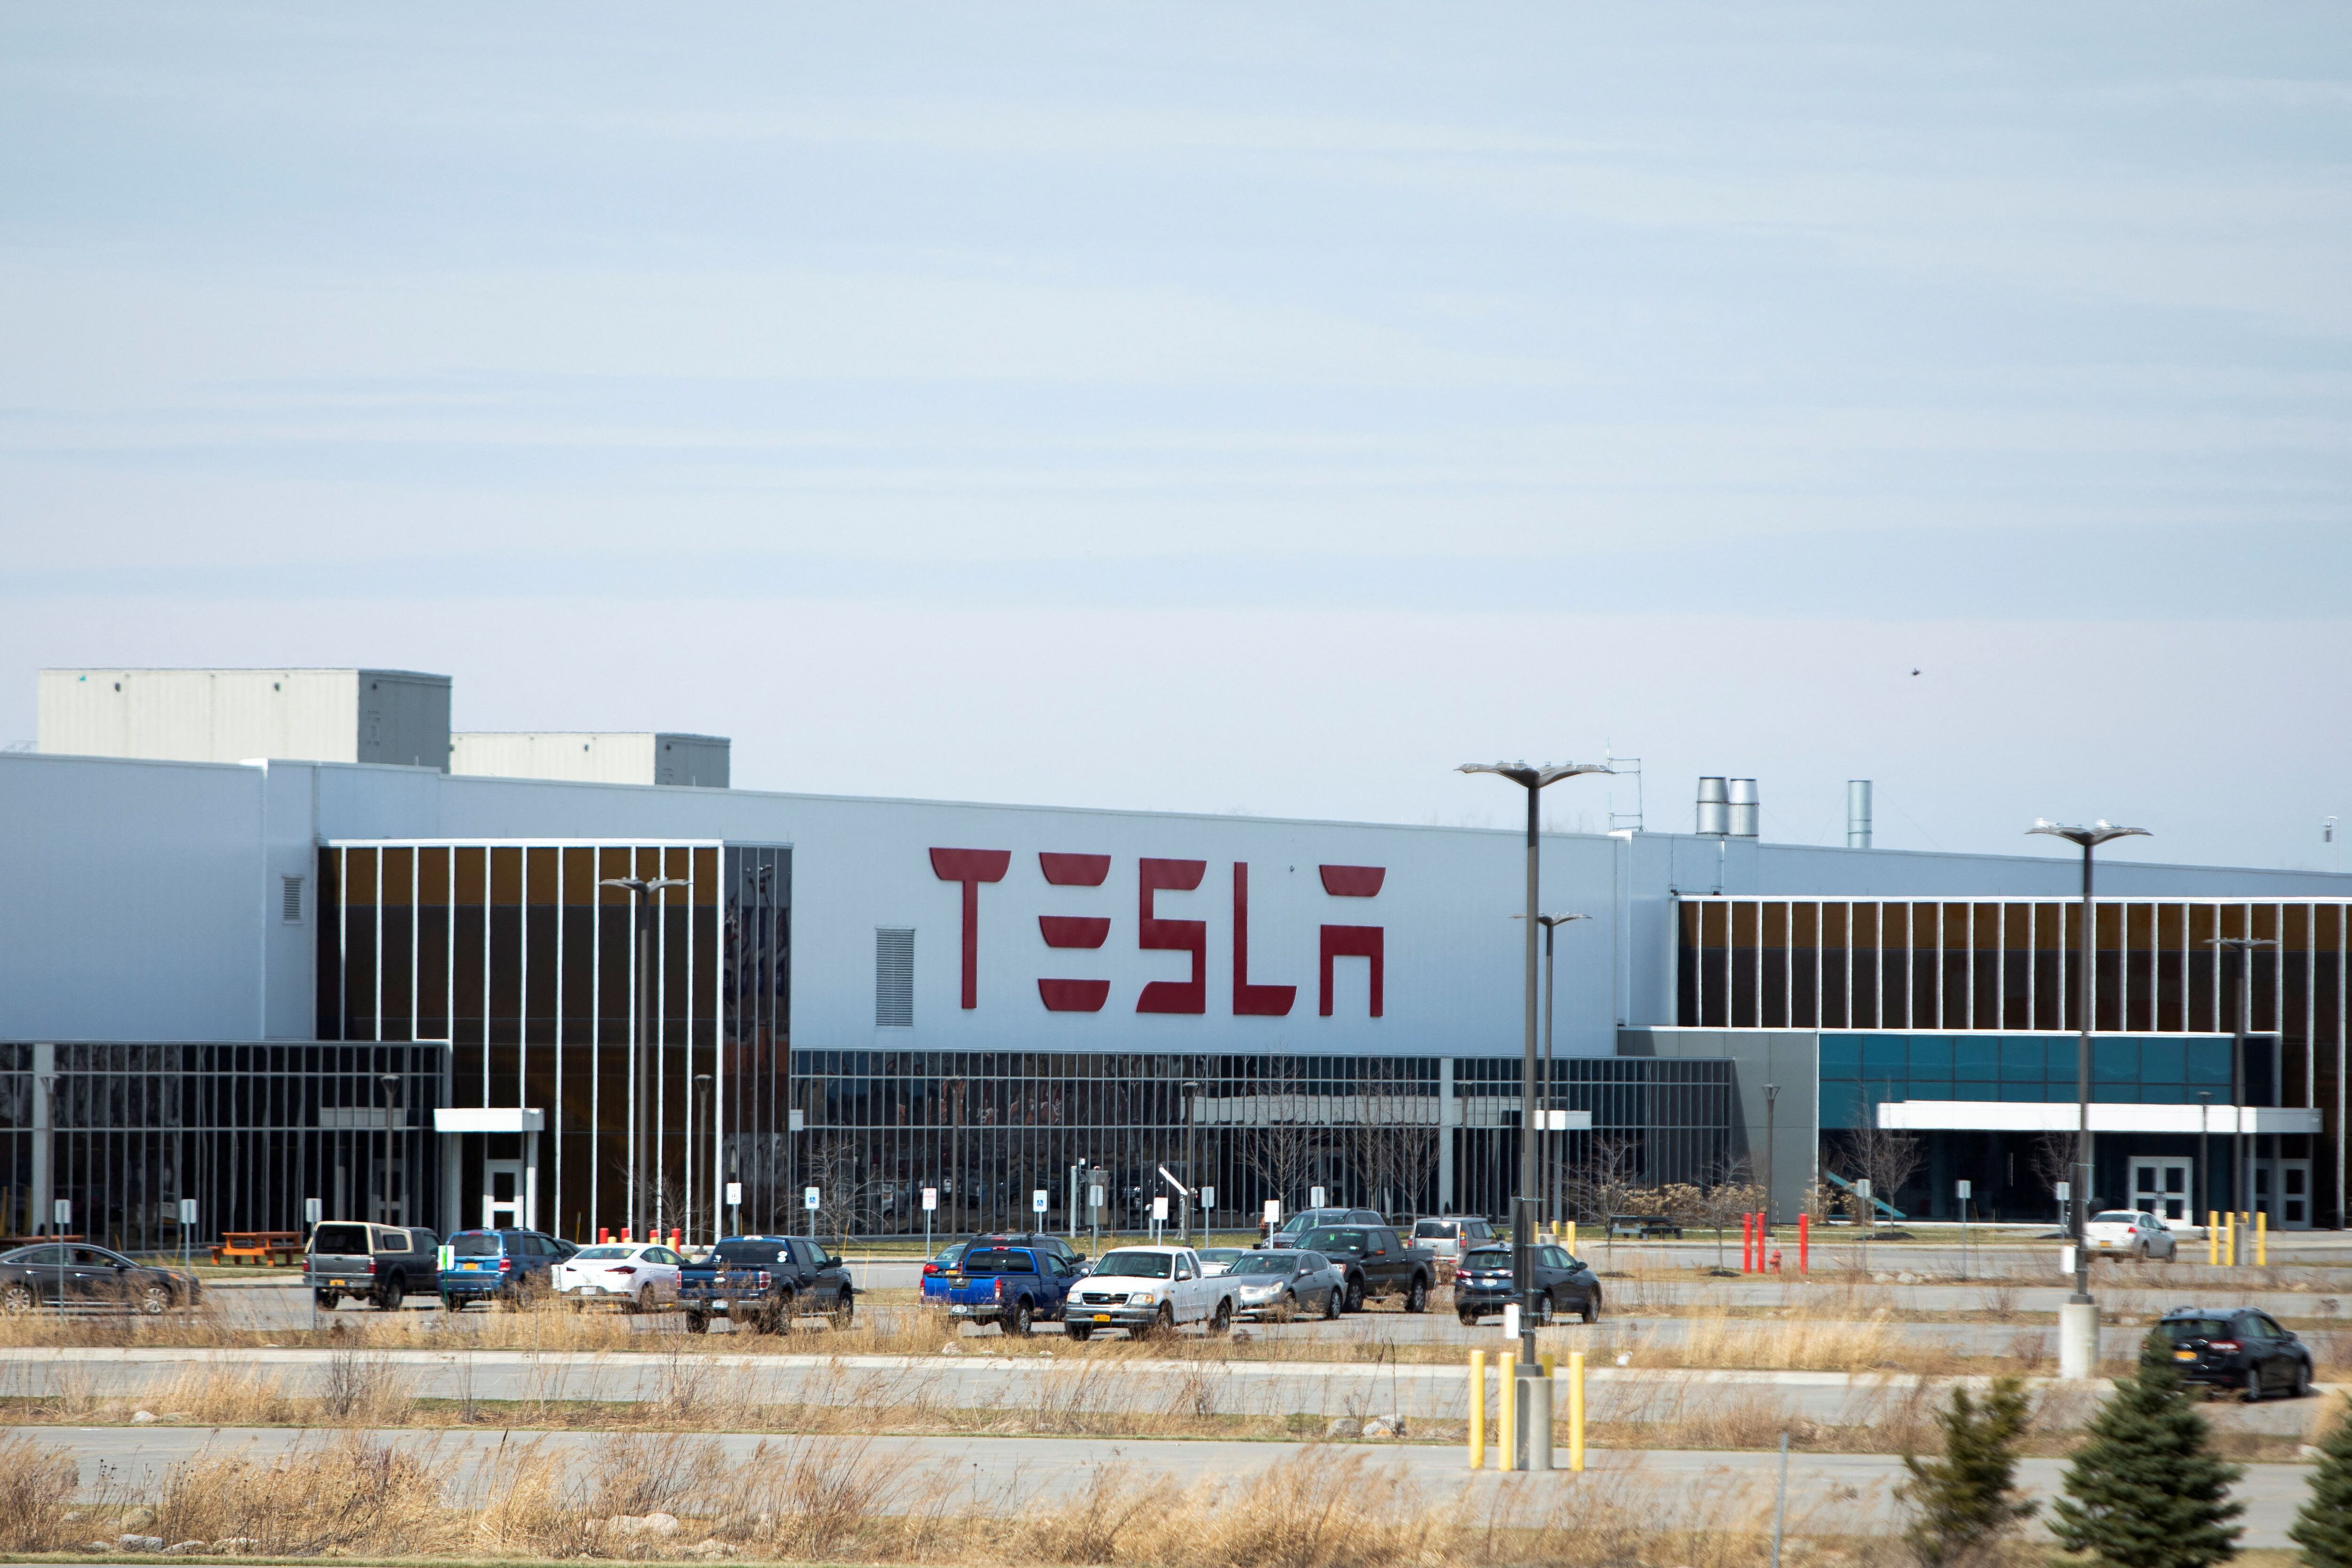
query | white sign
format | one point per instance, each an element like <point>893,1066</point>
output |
<point>187,1211</point>
<point>930,1200</point>
<point>808,1199</point>
<point>1038,1200</point>
<point>1095,1195</point>
<point>1965,1189</point>
<point>1510,1319</point>
<point>1208,1197</point>
<point>310,1210</point>
<point>1273,1213</point>
<point>1160,1207</point>
<point>1315,1199</point>
<point>1862,1189</point>
<point>63,1213</point>
<point>797,1124</point>
<point>2065,1191</point>
<point>734,1192</point>
<point>2066,1258</point>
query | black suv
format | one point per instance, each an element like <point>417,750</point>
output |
<point>1562,1284</point>
<point>2239,1348</point>
<point>1041,1241</point>
<point>763,1283</point>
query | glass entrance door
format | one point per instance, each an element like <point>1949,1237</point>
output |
<point>2160,1187</point>
<point>501,1194</point>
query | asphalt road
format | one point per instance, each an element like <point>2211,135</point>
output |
<point>1068,1380</point>
<point>1828,1493</point>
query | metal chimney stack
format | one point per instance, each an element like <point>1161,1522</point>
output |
<point>1857,813</point>
<point>1714,807</point>
<point>1747,811</point>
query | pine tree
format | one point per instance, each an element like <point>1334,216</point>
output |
<point>1967,1499</point>
<point>2143,1490</point>
<point>2324,1528</point>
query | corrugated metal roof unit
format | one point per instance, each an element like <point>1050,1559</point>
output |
<point>388,716</point>
<point>640,757</point>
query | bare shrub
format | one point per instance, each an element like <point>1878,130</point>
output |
<point>348,1494</point>
<point>361,1388</point>
<point>643,1472</point>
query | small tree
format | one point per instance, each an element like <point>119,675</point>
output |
<point>2143,1491</point>
<point>2324,1528</point>
<point>1967,1500</point>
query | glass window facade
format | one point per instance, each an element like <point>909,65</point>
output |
<point>1860,1071</point>
<point>525,958</point>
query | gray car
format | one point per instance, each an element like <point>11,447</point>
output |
<point>1284,1284</point>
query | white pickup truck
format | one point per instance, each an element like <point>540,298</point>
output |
<point>1149,1290</point>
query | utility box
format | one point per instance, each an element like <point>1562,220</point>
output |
<point>586,757</point>
<point>391,716</point>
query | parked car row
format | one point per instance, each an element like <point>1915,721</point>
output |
<point>80,1275</point>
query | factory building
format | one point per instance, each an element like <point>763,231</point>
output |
<point>431,990</point>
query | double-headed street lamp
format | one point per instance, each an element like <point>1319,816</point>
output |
<point>2078,1332</point>
<point>1531,777</point>
<point>1551,924</point>
<point>643,1181</point>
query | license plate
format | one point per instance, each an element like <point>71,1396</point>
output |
<point>959,1310</point>
<point>1102,1317</point>
<point>469,1267</point>
<point>2184,1355</point>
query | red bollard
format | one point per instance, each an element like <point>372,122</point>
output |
<point>677,1236</point>
<point>603,1234</point>
<point>1804,1241</point>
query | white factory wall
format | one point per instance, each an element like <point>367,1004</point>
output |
<point>233,715</point>
<point>584,757</point>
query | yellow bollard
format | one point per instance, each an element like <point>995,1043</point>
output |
<point>1576,1410</point>
<point>1477,1409</point>
<point>2212,1237</point>
<point>2261,1238</point>
<point>2230,1238</point>
<point>1550,1360</point>
<point>1568,1238</point>
<point>1506,1368</point>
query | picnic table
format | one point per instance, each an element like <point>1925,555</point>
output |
<point>1643,1227</point>
<point>265,1246</point>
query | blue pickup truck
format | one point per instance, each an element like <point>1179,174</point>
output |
<point>1012,1286</point>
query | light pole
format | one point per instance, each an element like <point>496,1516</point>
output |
<point>383,1197</point>
<point>2204,1142</point>
<point>2078,1329</point>
<point>1772,1097</point>
<point>642,1180</point>
<point>702,1106</point>
<point>1531,778</point>
<point>1191,1150</point>
<point>1551,924</point>
<point>2242,1146</point>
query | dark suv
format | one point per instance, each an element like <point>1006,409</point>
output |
<point>507,1267</point>
<point>2239,1348</point>
<point>1562,1284</point>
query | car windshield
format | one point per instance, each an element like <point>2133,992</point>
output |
<point>2114,1216</point>
<point>1439,1229</point>
<point>1486,1258</point>
<point>601,1254</point>
<point>340,1238</point>
<point>1306,1221</point>
<point>1339,1241</point>
<point>2179,1331</point>
<point>947,1258</point>
<point>1135,1266</point>
<point>1220,1254</point>
<point>998,1261</point>
<point>1268,1263</point>
<point>478,1244</point>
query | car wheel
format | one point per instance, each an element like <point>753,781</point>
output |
<point>698,1322</point>
<point>1080,1332</point>
<point>2303,1379</point>
<point>1590,1311</point>
<point>643,1304</point>
<point>1355,1301</point>
<point>155,1301</point>
<point>1331,1303</point>
<point>451,1304</point>
<point>327,1300</point>
<point>1163,1323</point>
<point>1417,1299</point>
<point>1016,1322</point>
<point>846,1312</point>
<point>17,1298</point>
<point>1469,1320</point>
<point>2253,1393</point>
<point>388,1299</point>
<point>1224,1322</point>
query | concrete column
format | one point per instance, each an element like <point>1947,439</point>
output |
<point>1445,1120</point>
<point>530,1181</point>
<point>45,1070</point>
<point>452,1211</point>
<point>2078,1340</point>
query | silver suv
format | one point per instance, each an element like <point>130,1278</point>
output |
<point>1450,1236</point>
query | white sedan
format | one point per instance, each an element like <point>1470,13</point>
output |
<point>2127,1234</point>
<point>636,1275</point>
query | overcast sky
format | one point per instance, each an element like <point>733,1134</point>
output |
<point>1224,408</point>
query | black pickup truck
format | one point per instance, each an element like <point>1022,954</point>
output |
<point>1375,1261</point>
<point>763,1283</point>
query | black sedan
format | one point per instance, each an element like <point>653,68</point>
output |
<point>2237,1348</point>
<point>1482,1284</point>
<point>89,1276</point>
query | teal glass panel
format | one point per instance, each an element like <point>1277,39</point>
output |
<point>1841,1105</point>
<point>1976,1057</point>
<point>2114,1061</point>
<point>1931,1055</point>
<point>2208,1063</point>
<point>2115,1093</point>
<point>1885,1056</point>
<point>2166,1094</point>
<point>1976,1088</point>
<point>2028,1092</point>
<point>2057,1093</point>
<point>2021,1059</point>
<point>2163,1061</point>
<point>1842,1056</point>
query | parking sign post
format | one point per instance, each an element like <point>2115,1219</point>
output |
<point>61,1216</point>
<point>735,1206</point>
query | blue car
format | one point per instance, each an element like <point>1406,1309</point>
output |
<point>507,1267</point>
<point>1011,1287</point>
